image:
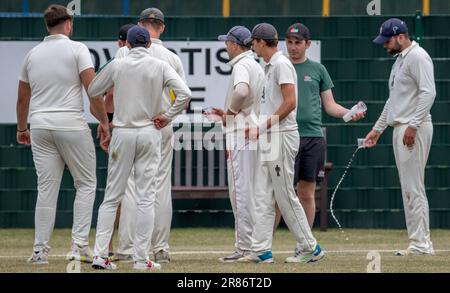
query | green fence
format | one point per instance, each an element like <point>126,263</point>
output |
<point>370,195</point>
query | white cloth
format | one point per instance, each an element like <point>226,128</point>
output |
<point>163,214</point>
<point>241,174</point>
<point>138,81</point>
<point>411,90</point>
<point>163,218</point>
<point>139,147</point>
<point>163,203</point>
<point>127,223</point>
<point>241,159</point>
<point>411,169</point>
<point>411,96</point>
<point>160,52</point>
<point>273,182</point>
<point>53,69</point>
<point>278,71</point>
<point>52,150</point>
<point>246,70</point>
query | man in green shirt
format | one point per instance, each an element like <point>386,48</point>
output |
<point>314,91</point>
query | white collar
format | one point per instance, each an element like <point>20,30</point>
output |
<point>239,57</point>
<point>407,50</point>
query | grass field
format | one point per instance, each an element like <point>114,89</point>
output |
<point>196,250</point>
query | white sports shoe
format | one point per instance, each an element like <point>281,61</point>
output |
<point>234,256</point>
<point>150,265</point>
<point>100,263</point>
<point>309,257</point>
<point>122,257</point>
<point>40,257</point>
<point>162,257</point>
<point>412,251</point>
<point>265,257</point>
<point>80,253</point>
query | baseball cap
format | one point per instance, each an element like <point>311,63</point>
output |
<point>138,36</point>
<point>124,30</point>
<point>389,28</point>
<point>264,31</point>
<point>152,13</point>
<point>239,35</point>
<point>299,31</point>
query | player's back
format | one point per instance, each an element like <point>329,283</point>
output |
<point>138,86</point>
<point>53,69</point>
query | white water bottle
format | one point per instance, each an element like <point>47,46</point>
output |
<point>358,108</point>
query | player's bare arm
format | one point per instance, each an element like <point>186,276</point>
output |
<point>334,109</point>
<point>23,105</point>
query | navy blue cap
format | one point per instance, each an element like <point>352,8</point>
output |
<point>124,31</point>
<point>239,35</point>
<point>138,36</point>
<point>389,28</point>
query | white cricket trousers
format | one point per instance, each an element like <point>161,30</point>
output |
<point>273,181</point>
<point>163,202</point>
<point>241,160</point>
<point>411,169</point>
<point>52,150</point>
<point>141,147</point>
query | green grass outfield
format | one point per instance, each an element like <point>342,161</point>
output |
<point>196,250</point>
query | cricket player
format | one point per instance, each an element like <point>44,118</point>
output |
<point>411,95</point>
<point>275,172</point>
<point>314,92</point>
<point>152,19</point>
<point>121,42</point>
<point>241,109</point>
<point>50,88</point>
<point>138,80</point>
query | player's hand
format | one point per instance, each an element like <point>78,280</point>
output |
<point>252,133</point>
<point>409,137</point>
<point>24,137</point>
<point>215,115</point>
<point>104,136</point>
<point>358,116</point>
<point>160,121</point>
<point>371,138</point>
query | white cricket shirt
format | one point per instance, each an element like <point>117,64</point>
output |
<point>246,70</point>
<point>279,70</point>
<point>53,69</point>
<point>411,90</point>
<point>139,80</point>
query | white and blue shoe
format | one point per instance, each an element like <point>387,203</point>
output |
<point>309,257</point>
<point>265,257</point>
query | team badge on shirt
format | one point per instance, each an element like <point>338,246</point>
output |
<point>307,77</point>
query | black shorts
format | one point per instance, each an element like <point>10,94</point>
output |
<point>310,160</point>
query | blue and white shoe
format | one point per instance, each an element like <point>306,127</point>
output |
<point>265,257</point>
<point>308,257</point>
